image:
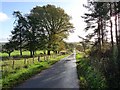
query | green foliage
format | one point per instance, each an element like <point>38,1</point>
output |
<point>54,22</point>
<point>8,48</point>
<point>88,75</point>
<point>43,29</point>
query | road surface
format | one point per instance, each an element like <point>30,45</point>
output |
<point>63,74</point>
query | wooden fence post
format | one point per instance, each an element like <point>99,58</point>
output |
<point>38,58</point>
<point>25,61</point>
<point>47,57</point>
<point>44,57</point>
<point>33,59</point>
<point>13,64</point>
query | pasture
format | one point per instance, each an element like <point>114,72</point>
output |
<point>13,70</point>
<point>17,53</point>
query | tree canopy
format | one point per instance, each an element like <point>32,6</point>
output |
<point>44,28</point>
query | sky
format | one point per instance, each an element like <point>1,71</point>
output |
<point>74,8</point>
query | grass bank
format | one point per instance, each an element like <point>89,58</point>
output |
<point>22,74</point>
<point>89,77</point>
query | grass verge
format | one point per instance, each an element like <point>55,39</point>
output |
<point>89,76</point>
<point>25,73</point>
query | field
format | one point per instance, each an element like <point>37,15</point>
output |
<point>17,53</point>
<point>15,71</point>
<point>10,66</point>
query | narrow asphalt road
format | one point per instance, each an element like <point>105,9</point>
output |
<point>63,74</point>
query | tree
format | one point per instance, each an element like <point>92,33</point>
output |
<point>54,21</point>
<point>100,14</point>
<point>84,43</point>
<point>96,20</point>
<point>8,48</point>
<point>18,32</point>
<point>33,35</point>
<point>43,29</point>
<point>61,46</point>
<point>111,24</point>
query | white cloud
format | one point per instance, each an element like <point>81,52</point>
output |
<point>3,17</point>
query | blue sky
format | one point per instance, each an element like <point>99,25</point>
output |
<point>72,8</point>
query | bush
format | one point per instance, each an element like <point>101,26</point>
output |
<point>89,77</point>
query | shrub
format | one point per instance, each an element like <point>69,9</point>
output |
<point>89,76</point>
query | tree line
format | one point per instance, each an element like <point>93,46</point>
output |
<point>103,23</point>
<point>44,28</point>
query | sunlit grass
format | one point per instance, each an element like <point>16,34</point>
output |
<point>23,71</point>
<point>17,53</point>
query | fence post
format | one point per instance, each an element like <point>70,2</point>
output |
<point>44,57</point>
<point>33,59</point>
<point>13,64</point>
<point>38,58</point>
<point>47,57</point>
<point>25,61</point>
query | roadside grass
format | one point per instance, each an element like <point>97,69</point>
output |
<point>89,77</point>
<point>19,75</point>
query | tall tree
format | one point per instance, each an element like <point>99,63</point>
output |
<point>111,24</point>
<point>116,16</point>
<point>100,13</point>
<point>18,32</point>
<point>53,20</point>
<point>32,35</point>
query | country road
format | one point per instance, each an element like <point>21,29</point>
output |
<point>63,74</point>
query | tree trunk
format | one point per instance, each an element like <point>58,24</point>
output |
<point>118,57</point>
<point>44,55</point>
<point>102,32</point>
<point>99,39</point>
<point>56,52</point>
<point>9,54</point>
<point>20,51</point>
<point>44,52</point>
<point>119,26</point>
<point>48,52</point>
<point>31,54</point>
<point>38,58</point>
<point>111,25</point>
<point>111,32</point>
<point>20,43</point>
<point>116,33</point>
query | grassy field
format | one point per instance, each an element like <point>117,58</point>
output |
<point>17,53</point>
<point>89,77</point>
<point>23,69</point>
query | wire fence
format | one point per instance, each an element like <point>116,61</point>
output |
<point>12,65</point>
